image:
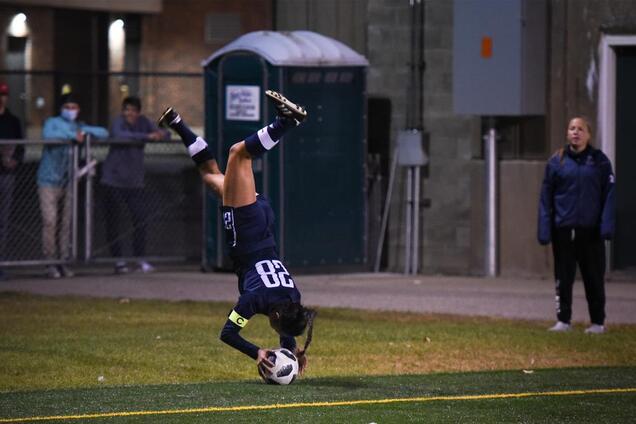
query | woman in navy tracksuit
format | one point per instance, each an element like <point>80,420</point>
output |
<point>576,213</point>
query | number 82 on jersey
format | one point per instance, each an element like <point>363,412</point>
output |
<point>274,274</point>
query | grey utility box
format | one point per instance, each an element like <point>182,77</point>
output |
<point>499,57</point>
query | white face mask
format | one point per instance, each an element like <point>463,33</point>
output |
<point>70,114</point>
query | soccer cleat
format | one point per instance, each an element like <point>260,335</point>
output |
<point>168,118</point>
<point>560,327</point>
<point>595,329</point>
<point>286,108</point>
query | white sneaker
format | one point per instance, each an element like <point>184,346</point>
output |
<point>121,268</point>
<point>65,271</point>
<point>560,326</point>
<point>595,329</point>
<point>145,267</point>
<point>53,272</point>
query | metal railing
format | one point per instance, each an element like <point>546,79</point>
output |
<point>158,221</point>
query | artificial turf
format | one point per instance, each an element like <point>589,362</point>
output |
<point>72,355</point>
<point>158,401</point>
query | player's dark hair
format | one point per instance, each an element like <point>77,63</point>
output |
<point>294,318</point>
<point>132,101</point>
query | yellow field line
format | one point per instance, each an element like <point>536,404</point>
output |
<point>316,404</point>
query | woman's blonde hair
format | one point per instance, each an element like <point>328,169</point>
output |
<point>586,121</point>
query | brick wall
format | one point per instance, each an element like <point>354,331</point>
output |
<point>173,41</point>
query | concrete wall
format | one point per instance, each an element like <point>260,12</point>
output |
<point>344,20</point>
<point>519,188</point>
<point>446,237</point>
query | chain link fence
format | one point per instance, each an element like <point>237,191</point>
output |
<point>160,220</point>
<point>83,219</point>
<point>36,223</point>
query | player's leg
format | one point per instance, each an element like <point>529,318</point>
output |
<point>198,149</point>
<point>239,188</point>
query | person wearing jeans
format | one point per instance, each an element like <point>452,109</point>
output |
<point>53,177</point>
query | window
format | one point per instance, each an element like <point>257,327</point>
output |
<point>519,137</point>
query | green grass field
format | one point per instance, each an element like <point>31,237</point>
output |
<point>104,360</point>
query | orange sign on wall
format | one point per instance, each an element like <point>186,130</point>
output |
<point>486,47</point>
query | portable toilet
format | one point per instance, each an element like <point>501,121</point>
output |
<point>315,177</point>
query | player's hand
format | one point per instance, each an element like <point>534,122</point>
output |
<point>302,361</point>
<point>264,364</point>
<point>79,136</point>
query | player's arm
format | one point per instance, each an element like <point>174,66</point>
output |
<point>230,335</point>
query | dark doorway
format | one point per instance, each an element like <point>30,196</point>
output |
<point>624,250</point>
<point>15,61</point>
<point>80,53</point>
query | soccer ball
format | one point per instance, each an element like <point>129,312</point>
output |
<point>285,368</point>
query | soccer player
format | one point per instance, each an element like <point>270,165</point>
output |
<point>265,285</point>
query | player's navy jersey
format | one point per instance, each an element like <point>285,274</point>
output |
<point>263,279</point>
<point>266,284</point>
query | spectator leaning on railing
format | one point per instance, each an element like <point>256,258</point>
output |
<point>10,158</point>
<point>123,180</point>
<point>53,178</point>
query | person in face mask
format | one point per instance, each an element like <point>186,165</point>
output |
<point>53,177</point>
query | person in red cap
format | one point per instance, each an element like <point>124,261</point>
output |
<point>10,157</point>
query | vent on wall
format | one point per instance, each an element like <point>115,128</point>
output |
<point>222,27</point>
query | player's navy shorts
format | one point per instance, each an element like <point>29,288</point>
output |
<point>248,231</point>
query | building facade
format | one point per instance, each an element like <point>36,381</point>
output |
<point>589,54</point>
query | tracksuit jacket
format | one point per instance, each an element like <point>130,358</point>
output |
<point>53,169</point>
<point>577,192</point>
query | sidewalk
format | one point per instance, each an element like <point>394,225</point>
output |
<point>497,297</point>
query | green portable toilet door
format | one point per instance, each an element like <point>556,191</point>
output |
<point>242,78</point>
<point>241,111</point>
<point>324,201</point>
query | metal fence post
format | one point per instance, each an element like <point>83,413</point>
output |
<point>74,152</point>
<point>88,204</point>
<point>491,251</point>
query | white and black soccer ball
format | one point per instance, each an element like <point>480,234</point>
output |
<point>285,368</point>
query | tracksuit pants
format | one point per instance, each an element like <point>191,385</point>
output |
<point>582,246</point>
